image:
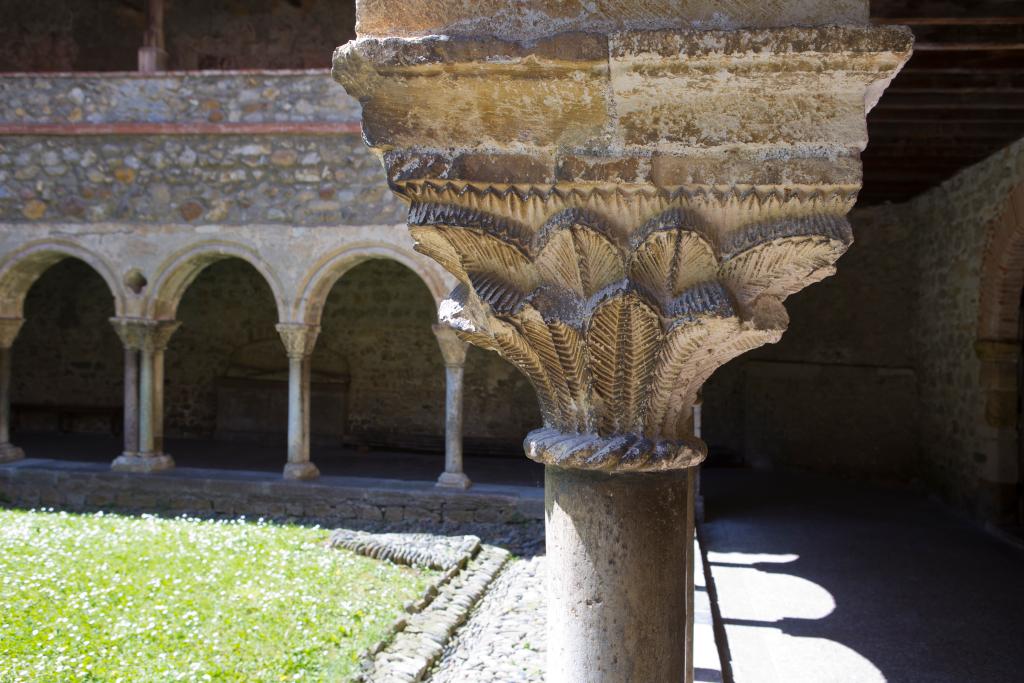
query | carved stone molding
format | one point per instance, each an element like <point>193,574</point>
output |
<point>626,209</point>
<point>162,334</point>
<point>9,329</point>
<point>142,334</point>
<point>134,332</point>
<point>299,339</point>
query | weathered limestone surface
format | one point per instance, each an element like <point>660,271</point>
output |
<point>620,575</point>
<point>625,210</point>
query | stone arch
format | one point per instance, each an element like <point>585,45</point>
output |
<point>1002,272</point>
<point>180,270</point>
<point>22,267</point>
<point>998,347</point>
<point>327,271</point>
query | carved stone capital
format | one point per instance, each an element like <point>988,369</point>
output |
<point>453,349</point>
<point>299,339</point>
<point>162,333</point>
<point>141,334</point>
<point>134,332</point>
<point>9,329</point>
<point>628,206</point>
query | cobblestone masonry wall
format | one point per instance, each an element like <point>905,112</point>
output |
<point>953,219</point>
<point>227,180</point>
<point>103,35</point>
<point>169,97</point>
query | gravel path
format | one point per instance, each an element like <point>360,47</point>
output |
<point>503,641</point>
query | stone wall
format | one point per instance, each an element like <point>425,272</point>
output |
<point>286,179</point>
<point>954,220</point>
<point>341,502</point>
<point>178,98</point>
<point>176,148</point>
<point>104,35</point>
<point>839,392</point>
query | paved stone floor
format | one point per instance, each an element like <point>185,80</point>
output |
<point>504,637</point>
<point>256,456</point>
<point>825,581</point>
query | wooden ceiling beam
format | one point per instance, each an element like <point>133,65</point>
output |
<point>968,38</point>
<point>952,100</point>
<point>947,12</point>
<point>1005,116</point>
<point>966,82</point>
<point>948,21</point>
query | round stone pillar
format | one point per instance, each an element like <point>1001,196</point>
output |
<point>619,561</point>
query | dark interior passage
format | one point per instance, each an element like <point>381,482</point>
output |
<point>67,361</point>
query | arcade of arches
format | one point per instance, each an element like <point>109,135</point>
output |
<point>376,376</point>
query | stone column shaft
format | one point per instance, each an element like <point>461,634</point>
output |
<point>146,404</point>
<point>161,337</point>
<point>620,573</point>
<point>9,328</point>
<point>299,340</point>
<point>144,341</point>
<point>454,351</point>
<point>131,402</point>
<point>152,54</point>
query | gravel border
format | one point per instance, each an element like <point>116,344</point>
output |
<point>418,639</point>
<point>415,550</point>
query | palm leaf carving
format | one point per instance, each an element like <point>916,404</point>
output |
<point>618,335</point>
<point>580,259</point>
<point>572,356</point>
<point>536,332</point>
<point>668,263</point>
<point>514,346</point>
<point>782,257</point>
<point>622,342</point>
<point>704,325</point>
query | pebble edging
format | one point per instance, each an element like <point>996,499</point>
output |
<point>427,551</point>
<point>418,639</point>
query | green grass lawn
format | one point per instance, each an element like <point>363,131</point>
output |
<point>111,598</point>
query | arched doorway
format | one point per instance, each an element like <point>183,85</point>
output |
<point>67,371</point>
<point>226,374</point>
<point>377,322</point>
<point>998,349</point>
<point>376,339</point>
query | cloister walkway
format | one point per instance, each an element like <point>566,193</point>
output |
<point>822,580</point>
<point>268,457</point>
